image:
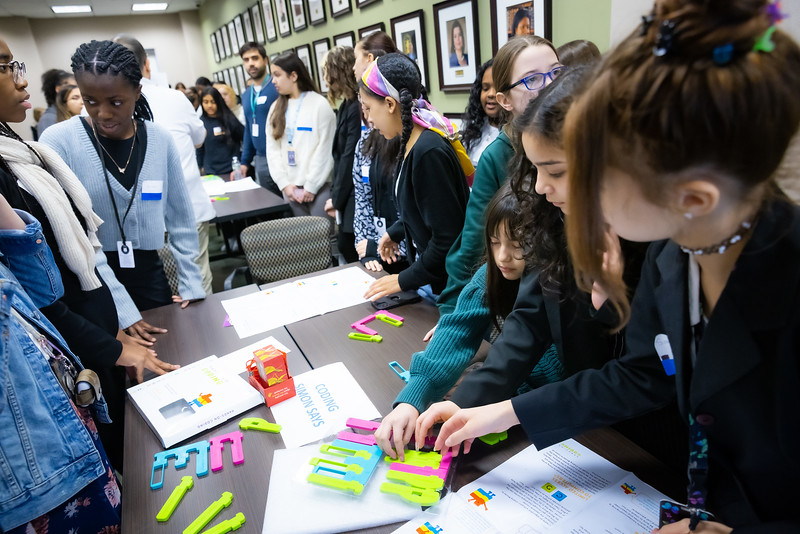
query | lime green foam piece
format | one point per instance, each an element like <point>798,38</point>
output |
<point>419,458</point>
<point>387,319</point>
<point>423,497</point>
<point>175,498</point>
<point>209,513</point>
<point>355,468</point>
<point>336,483</point>
<point>344,453</point>
<point>416,480</point>
<point>495,438</point>
<point>256,423</point>
<point>226,526</point>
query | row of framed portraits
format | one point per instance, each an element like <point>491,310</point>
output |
<point>233,76</point>
<point>455,23</point>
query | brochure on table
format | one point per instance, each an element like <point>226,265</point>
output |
<point>326,398</point>
<point>565,488</point>
<point>296,506</point>
<point>294,301</point>
<point>192,399</point>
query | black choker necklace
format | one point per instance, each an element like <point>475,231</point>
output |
<point>720,248</point>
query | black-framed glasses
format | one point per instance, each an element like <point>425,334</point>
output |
<point>17,70</point>
<point>537,80</point>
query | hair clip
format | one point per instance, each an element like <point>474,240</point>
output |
<point>774,12</point>
<point>666,38</point>
<point>647,21</point>
<point>765,43</point>
<point>723,54</point>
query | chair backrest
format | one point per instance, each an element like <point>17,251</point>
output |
<point>283,248</point>
<point>170,268</point>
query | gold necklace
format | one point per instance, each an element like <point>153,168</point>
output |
<point>120,169</point>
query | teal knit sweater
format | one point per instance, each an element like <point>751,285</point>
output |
<point>458,336</point>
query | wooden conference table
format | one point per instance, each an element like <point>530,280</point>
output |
<point>197,332</point>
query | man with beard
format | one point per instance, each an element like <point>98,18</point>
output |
<point>256,101</point>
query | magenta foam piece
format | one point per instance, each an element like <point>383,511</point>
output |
<point>363,439</point>
<point>440,472</point>
<point>361,424</point>
<point>218,443</point>
<point>358,326</point>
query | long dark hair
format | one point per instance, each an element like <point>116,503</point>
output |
<point>107,57</point>
<point>224,114</point>
<point>503,214</point>
<point>542,230</point>
<point>474,115</point>
<point>289,62</point>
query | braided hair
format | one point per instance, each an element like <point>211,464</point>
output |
<point>107,57</point>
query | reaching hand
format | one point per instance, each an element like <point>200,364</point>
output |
<point>140,331</point>
<point>682,526</point>
<point>184,303</point>
<point>437,413</point>
<point>396,429</point>
<point>466,425</point>
<point>388,249</point>
<point>138,358</point>
<point>383,286</point>
<point>429,335</point>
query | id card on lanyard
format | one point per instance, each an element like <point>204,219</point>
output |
<point>256,99</point>
<point>290,131</point>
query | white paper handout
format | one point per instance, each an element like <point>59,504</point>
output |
<point>294,301</point>
<point>564,488</point>
<point>214,185</point>
<point>326,398</point>
<point>244,184</point>
<point>236,361</point>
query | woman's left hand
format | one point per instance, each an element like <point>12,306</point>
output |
<point>383,286</point>
<point>682,527</point>
<point>308,198</point>
<point>184,303</point>
<point>329,209</point>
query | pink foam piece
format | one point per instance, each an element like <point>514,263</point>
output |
<point>363,439</point>
<point>227,321</point>
<point>361,424</point>
<point>218,443</point>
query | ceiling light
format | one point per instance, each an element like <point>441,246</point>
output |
<point>61,10</point>
<point>161,6</point>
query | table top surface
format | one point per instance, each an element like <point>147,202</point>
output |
<point>241,204</point>
<point>197,332</point>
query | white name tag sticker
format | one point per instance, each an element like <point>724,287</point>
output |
<point>152,189</point>
<point>254,130</point>
<point>365,174</point>
<point>125,252</point>
<point>261,100</point>
<point>380,225</point>
<point>217,130</point>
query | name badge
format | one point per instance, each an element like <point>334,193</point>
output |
<point>218,130</point>
<point>365,174</point>
<point>304,129</point>
<point>380,225</point>
<point>254,130</point>
<point>261,100</point>
<point>152,189</point>
<point>125,252</point>
<point>664,351</point>
<point>292,161</point>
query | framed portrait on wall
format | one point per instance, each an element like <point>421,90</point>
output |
<point>520,17</point>
<point>298,15</point>
<point>273,56</point>
<point>241,78</point>
<point>340,7</point>
<point>231,26</point>
<point>456,118</point>
<point>258,24</point>
<point>269,20</point>
<point>316,12</point>
<point>226,76</point>
<point>238,24</point>
<point>214,48</point>
<point>363,32</point>
<point>345,39</point>
<point>282,16</point>
<point>321,48</point>
<point>247,22</point>
<point>304,53</point>
<point>234,80</point>
<point>456,24</point>
<point>226,43</point>
<point>408,32</point>
<point>363,3</point>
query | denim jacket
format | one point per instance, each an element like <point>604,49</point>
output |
<point>46,453</point>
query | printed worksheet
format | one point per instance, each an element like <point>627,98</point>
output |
<point>563,488</point>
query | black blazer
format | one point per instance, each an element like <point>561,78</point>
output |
<point>348,131</point>
<point>746,380</point>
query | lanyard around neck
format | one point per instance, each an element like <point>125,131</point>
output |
<point>290,130</point>
<point>254,96</point>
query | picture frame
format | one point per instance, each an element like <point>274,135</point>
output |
<point>231,26</point>
<point>304,53</point>
<point>316,12</point>
<point>508,20</point>
<point>258,23</point>
<point>345,39</point>
<point>234,80</point>
<point>339,7</point>
<point>214,48</point>
<point>298,10</point>
<point>241,78</point>
<point>363,3</point>
<point>282,15</point>
<point>363,32</point>
<point>238,25</point>
<point>408,31</point>
<point>270,29</point>
<point>226,76</point>
<point>457,43</point>
<point>273,56</point>
<point>247,23</point>
<point>226,43</point>
<point>321,47</point>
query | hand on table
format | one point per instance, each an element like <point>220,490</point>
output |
<point>138,358</point>
<point>468,424</point>
<point>396,429</point>
<point>184,303</point>
<point>429,335</point>
<point>140,332</point>
<point>383,286</point>
<point>682,527</point>
<point>388,249</point>
<point>374,266</point>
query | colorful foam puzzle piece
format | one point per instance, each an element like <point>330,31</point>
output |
<point>362,424</point>
<point>389,318</point>
<point>226,526</point>
<point>175,498</point>
<point>361,336</point>
<point>423,497</point>
<point>494,438</point>
<point>422,474</point>
<point>353,469</point>
<point>217,443</point>
<point>256,423</point>
<point>400,371</point>
<point>209,513</point>
<point>181,455</point>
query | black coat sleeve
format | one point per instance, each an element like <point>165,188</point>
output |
<point>348,132</point>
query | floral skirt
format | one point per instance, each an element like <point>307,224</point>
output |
<point>96,508</point>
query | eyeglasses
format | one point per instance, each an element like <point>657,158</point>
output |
<point>17,70</point>
<point>537,80</point>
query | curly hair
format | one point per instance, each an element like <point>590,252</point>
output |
<point>474,115</point>
<point>338,73</point>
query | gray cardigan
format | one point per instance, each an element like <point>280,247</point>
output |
<point>147,220</point>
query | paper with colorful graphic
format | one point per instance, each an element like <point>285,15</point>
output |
<point>565,488</point>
